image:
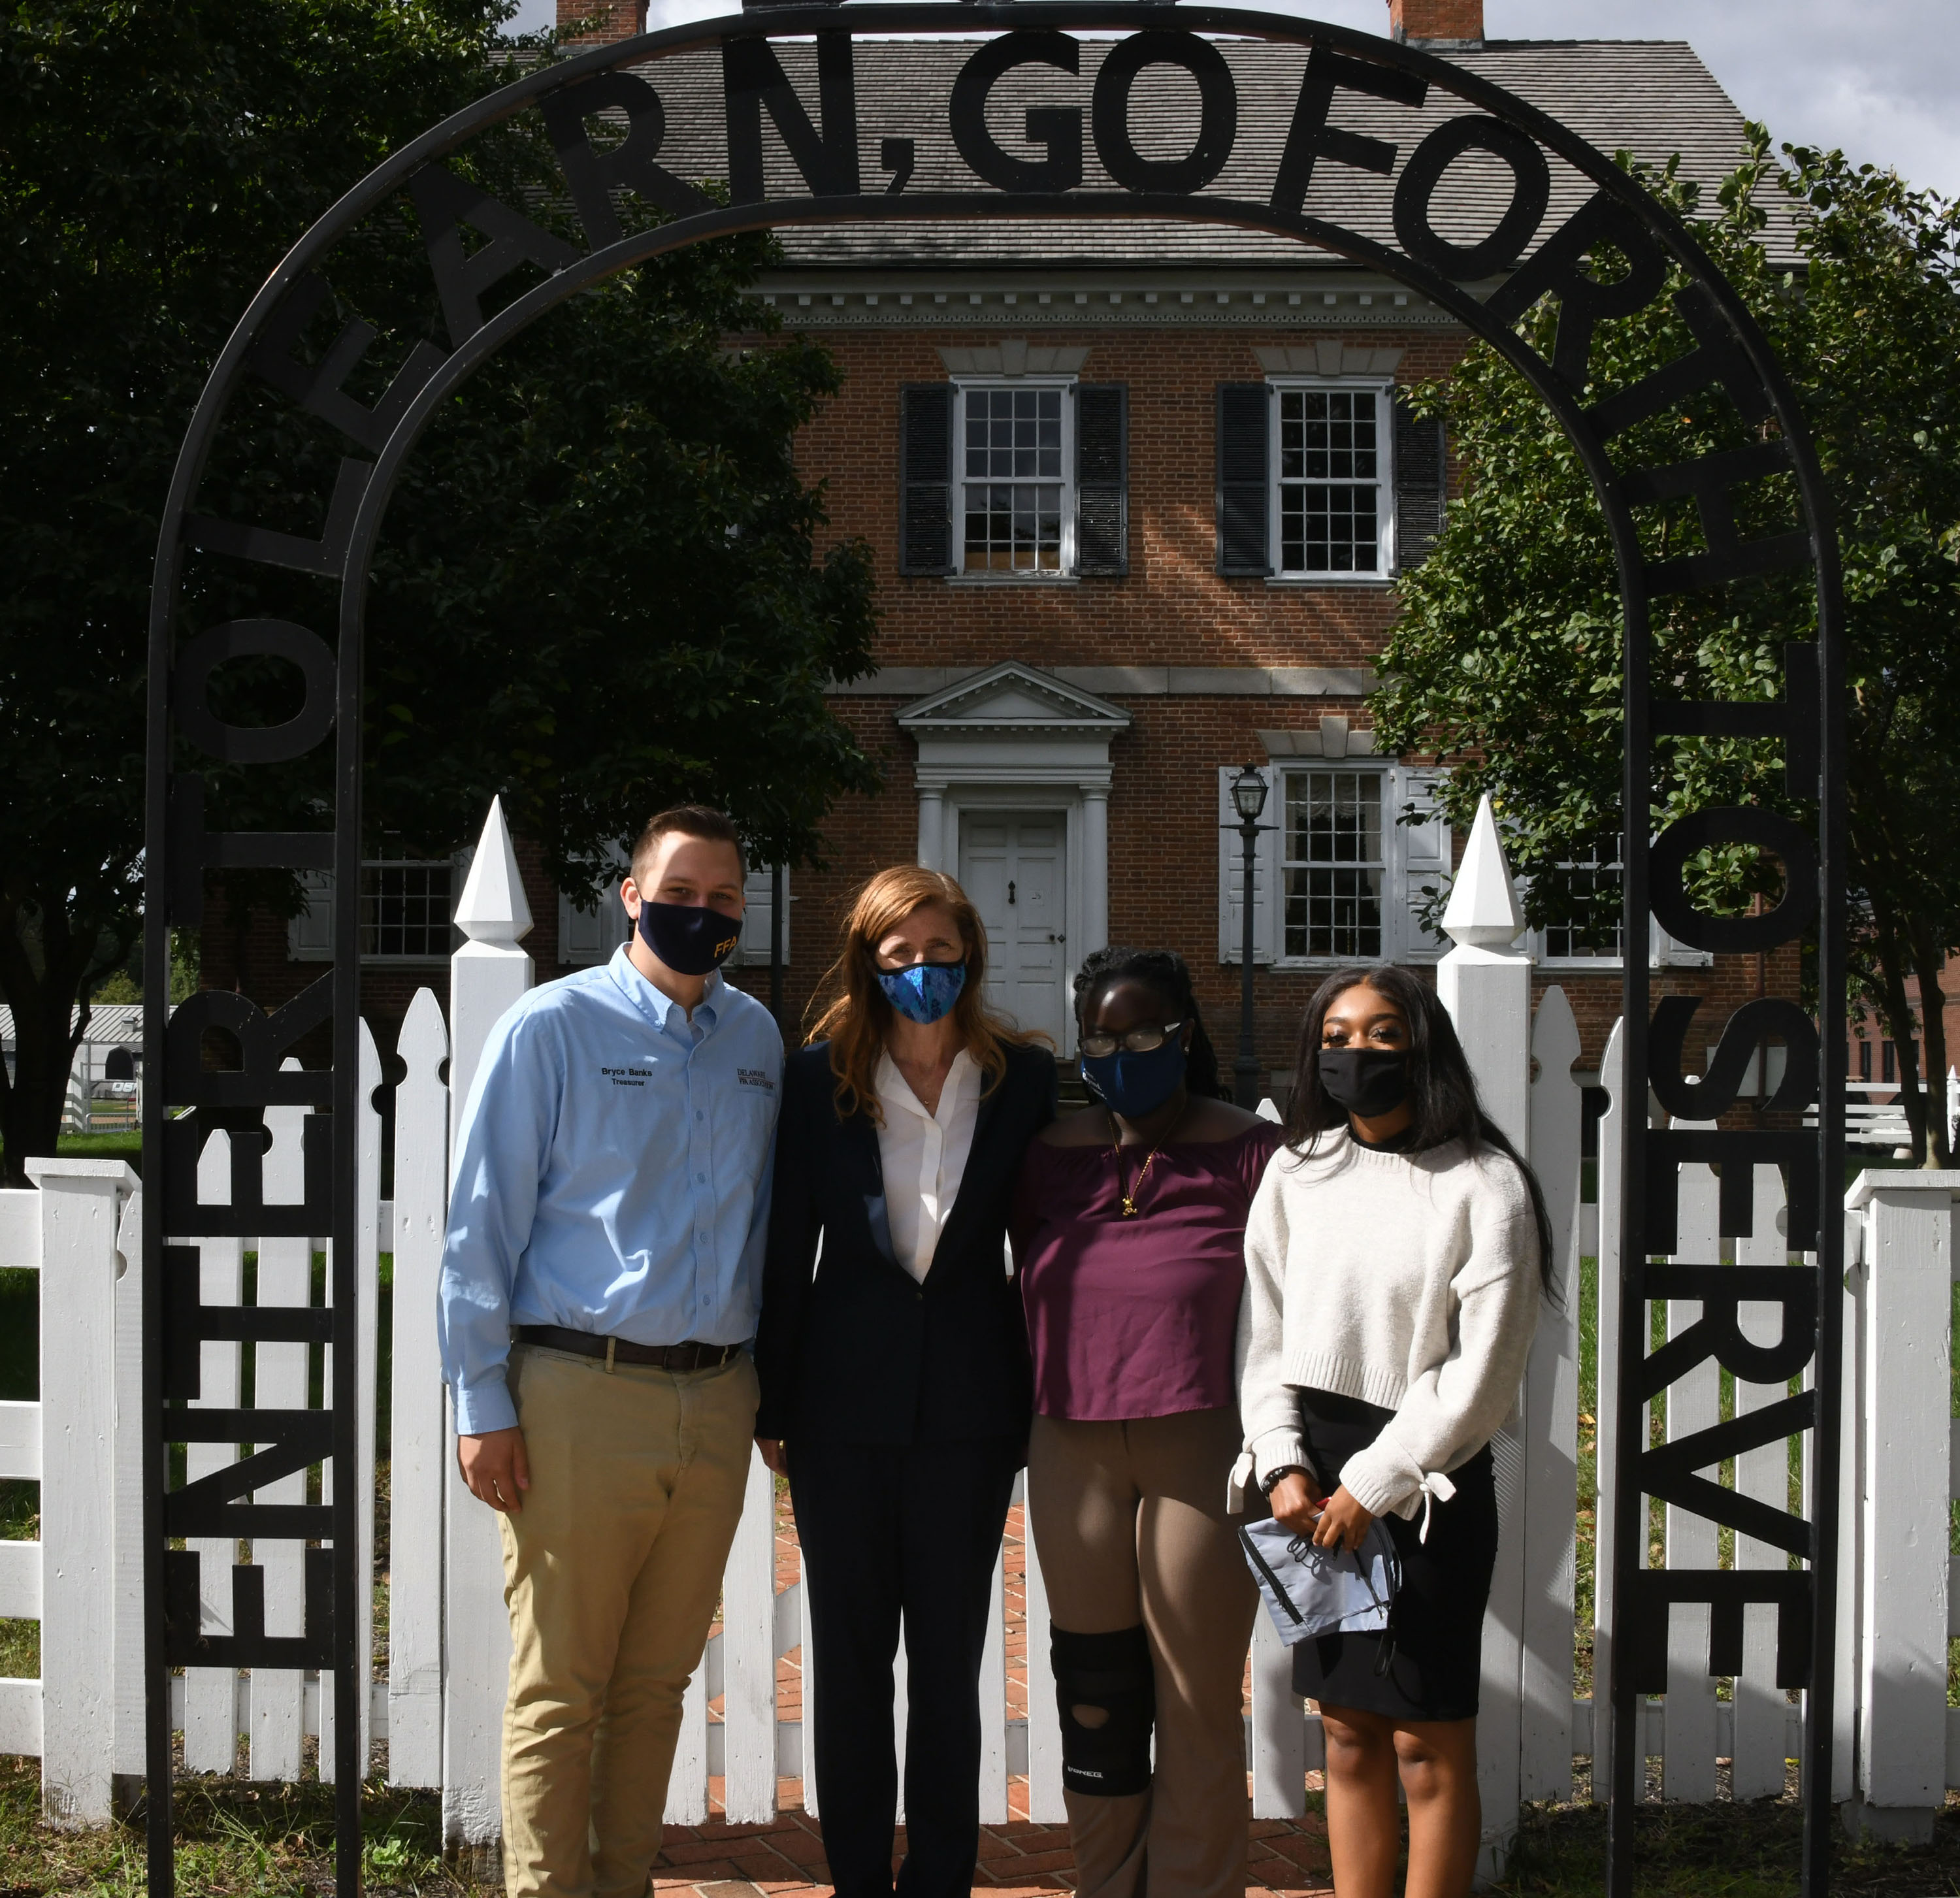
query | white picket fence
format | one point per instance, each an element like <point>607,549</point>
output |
<point>1875,1112</point>
<point>437,1710</point>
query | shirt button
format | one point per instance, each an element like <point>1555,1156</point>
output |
<point>702,1178</point>
<point>698,1115</point>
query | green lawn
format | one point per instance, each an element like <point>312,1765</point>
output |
<point>94,1146</point>
<point>1749,1850</point>
<point>233,1838</point>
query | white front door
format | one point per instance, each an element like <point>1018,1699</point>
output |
<point>1013,863</point>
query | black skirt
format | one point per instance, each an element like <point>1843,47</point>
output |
<point>1435,1638</point>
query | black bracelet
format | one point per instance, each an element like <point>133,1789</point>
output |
<point>1272,1478</point>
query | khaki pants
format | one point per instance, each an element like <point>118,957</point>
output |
<point>1129,1523</point>
<point>612,1572</point>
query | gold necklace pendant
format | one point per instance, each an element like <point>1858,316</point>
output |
<point>1128,1199</point>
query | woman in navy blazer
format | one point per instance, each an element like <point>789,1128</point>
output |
<point>896,1388</point>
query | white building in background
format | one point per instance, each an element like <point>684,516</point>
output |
<point>105,1083</point>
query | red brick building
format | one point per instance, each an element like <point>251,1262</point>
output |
<point>1138,496</point>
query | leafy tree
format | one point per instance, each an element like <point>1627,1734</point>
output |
<point>598,586</point>
<point>1507,658</point>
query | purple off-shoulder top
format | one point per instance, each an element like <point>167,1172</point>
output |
<point>1135,1317</point>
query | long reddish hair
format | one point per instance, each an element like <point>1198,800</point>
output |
<point>852,1012</point>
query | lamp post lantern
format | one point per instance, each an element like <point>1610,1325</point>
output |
<point>1248,799</point>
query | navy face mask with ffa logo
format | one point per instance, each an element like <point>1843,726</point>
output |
<point>690,938</point>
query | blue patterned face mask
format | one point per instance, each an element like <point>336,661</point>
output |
<point>926,991</point>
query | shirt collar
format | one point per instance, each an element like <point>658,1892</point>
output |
<point>665,1013</point>
<point>895,1090</point>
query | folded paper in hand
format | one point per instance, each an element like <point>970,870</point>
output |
<point>1310,1591</point>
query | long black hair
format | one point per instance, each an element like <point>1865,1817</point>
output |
<point>1164,972</point>
<point>1441,1089</point>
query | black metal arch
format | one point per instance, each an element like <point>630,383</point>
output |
<point>1731,352</point>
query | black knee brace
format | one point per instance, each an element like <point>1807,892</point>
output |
<point>1111,1673</point>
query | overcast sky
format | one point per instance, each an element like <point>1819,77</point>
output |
<point>1880,77</point>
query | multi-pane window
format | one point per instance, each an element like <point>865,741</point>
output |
<point>405,909</point>
<point>1334,864</point>
<point>1588,891</point>
<point>1014,499</point>
<point>1332,476</point>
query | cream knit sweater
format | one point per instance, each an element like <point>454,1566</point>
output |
<point>1410,1281</point>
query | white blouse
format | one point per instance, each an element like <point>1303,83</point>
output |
<point>924,1155</point>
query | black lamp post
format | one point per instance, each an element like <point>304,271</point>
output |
<point>1248,799</point>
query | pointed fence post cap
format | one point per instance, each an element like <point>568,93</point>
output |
<point>492,908</point>
<point>1483,909</point>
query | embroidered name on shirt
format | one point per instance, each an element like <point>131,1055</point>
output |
<point>627,1077</point>
<point>755,1077</point>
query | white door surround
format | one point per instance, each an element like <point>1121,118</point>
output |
<point>1012,738</point>
<point>1014,865</point>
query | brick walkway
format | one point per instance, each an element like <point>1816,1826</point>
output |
<point>720,1861</point>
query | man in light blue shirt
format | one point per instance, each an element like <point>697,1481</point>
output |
<point>600,1281</point>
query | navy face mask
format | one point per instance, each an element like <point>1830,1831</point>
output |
<point>926,991</point>
<point>690,938</point>
<point>1136,1085</point>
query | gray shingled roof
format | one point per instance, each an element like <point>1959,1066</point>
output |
<point>1652,97</point>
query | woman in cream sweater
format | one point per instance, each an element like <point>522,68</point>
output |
<point>1395,1259</point>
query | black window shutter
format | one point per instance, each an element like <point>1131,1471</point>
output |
<point>1245,537</point>
<point>1103,478</point>
<point>1419,486</point>
<point>925,478</point>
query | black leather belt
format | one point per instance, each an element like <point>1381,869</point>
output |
<point>586,1344</point>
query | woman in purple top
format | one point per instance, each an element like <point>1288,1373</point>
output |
<point>1129,1230</point>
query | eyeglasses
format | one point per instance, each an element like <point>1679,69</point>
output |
<point>1138,1041</point>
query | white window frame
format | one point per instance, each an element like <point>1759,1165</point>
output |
<point>310,934</point>
<point>1413,854</point>
<point>1663,951</point>
<point>1385,949</point>
<point>962,387</point>
<point>1383,389</point>
<point>1540,939</point>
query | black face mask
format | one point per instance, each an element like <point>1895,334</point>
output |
<point>689,938</point>
<point>1367,1081</point>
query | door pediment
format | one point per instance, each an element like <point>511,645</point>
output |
<point>1012,700</point>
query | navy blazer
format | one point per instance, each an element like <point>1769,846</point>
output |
<point>856,1350</point>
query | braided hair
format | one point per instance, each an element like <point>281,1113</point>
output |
<point>1164,972</point>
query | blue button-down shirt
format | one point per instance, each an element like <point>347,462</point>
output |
<point>613,1176</point>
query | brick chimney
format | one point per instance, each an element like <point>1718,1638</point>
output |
<point>603,21</point>
<point>1432,23</point>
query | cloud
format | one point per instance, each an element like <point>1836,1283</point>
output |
<point>1877,78</point>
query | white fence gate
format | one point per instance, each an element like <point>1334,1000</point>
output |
<point>438,1705</point>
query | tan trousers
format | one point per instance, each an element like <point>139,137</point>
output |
<point>612,1572</point>
<point>1130,1525</point>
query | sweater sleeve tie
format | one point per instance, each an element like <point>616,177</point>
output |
<point>1434,1488</point>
